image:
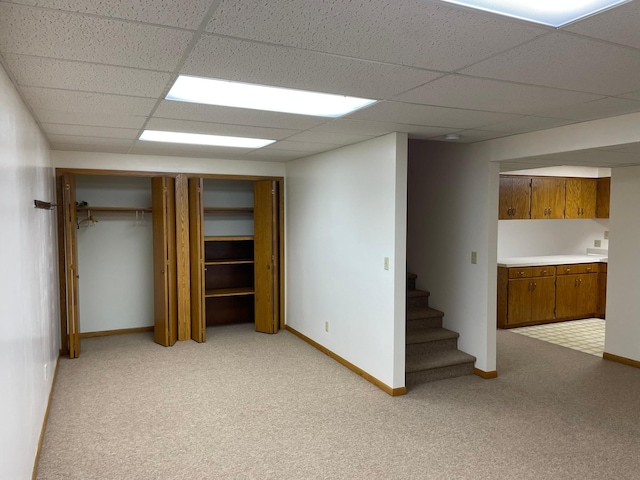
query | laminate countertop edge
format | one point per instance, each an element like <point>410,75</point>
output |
<point>547,260</point>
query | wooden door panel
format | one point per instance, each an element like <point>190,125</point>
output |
<point>588,195</point>
<point>543,299</point>
<point>505,195</point>
<point>164,265</point>
<point>196,250</point>
<point>587,302</point>
<point>519,302</point>
<point>265,227</point>
<point>603,197</point>
<point>566,296</point>
<point>573,200</point>
<point>71,264</point>
<point>521,198</point>
<point>538,198</point>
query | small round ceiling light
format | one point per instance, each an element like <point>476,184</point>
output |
<point>452,136</point>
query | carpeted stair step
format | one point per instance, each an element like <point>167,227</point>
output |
<point>417,299</point>
<point>428,367</point>
<point>421,340</point>
<point>425,316</point>
<point>411,281</point>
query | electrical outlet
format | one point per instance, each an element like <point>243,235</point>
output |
<point>606,234</point>
<point>597,243</point>
<point>326,327</point>
<point>474,257</point>
<point>386,263</point>
<point>46,372</point>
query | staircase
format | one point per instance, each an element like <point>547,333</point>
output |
<point>432,351</point>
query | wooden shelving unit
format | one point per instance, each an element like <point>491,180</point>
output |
<point>228,210</point>
<point>90,208</point>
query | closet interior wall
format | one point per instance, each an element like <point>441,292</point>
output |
<point>115,253</point>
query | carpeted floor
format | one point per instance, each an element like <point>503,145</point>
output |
<point>253,406</point>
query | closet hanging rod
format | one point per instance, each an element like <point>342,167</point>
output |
<point>113,209</point>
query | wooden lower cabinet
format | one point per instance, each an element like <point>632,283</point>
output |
<point>535,295</point>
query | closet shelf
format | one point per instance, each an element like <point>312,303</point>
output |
<point>112,209</point>
<point>228,209</point>
<point>230,261</point>
<point>229,239</point>
<point>229,292</point>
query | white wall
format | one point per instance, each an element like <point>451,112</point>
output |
<point>115,256</point>
<point>623,277</point>
<point>524,238</point>
<point>29,314</point>
<point>157,163</point>
<point>228,193</point>
<point>453,210</point>
<point>346,212</point>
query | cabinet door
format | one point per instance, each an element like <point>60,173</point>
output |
<point>196,252</point>
<point>164,261</point>
<point>515,198</point>
<point>71,264</point>
<point>519,302</point>
<point>602,294</point>
<point>543,298</point>
<point>266,256</point>
<point>587,302</point>
<point>547,198</point>
<point>580,198</point>
<point>566,296</point>
<point>602,197</point>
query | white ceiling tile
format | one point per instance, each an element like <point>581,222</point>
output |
<point>174,149</point>
<point>89,131</point>
<point>89,148</point>
<point>491,95</point>
<point>274,155</point>
<point>471,136</point>
<point>618,25</point>
<point>55,34</point>
<point>82,102</point>
<point>252,62</point>
<point>375,129</point>
<point>411,32</point>
<point>175,13</point>
<point>606,107</point>
<point>173,125</point>
<point>565,61</point>
<point>307,148</point>
<point>93,118</point>
<point>83,140</point>
<point>235,116</point>
<point>528,124</point>
<point>87,77</point>
<point>328,137</point>
<point>397,112</point>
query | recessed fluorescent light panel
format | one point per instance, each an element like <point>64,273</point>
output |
<point>200,139</point>
<point>554,13</point>
<point>261,97</point>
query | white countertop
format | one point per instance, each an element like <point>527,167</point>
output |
<point>549,260</point>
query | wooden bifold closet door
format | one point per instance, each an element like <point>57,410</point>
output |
<point>70,324</point>
<point>164,261</point>
<point>196,249</point>
<point>266,256</point>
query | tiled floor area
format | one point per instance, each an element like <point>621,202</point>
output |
<point>584,335</point>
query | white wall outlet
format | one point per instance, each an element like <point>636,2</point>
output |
<point>474,257</point>
<point>326,327</point>
<point>597,243</point>
<point>386,263</point>
<point>46,372</point>
<point>606,234</point>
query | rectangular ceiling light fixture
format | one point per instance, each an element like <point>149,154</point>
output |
<point>554,13</point>
<point>261,97</point>
<point>201,139</point>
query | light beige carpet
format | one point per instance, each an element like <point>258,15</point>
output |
<point>253,406</point>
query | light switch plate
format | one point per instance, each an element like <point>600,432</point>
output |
<point>386,263</point>
<point>606,234</point>
<point>474,257</point>
<point>597,243</point>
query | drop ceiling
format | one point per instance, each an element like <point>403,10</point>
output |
<point>95,72</point>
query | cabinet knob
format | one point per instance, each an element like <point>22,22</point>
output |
<point>544,272</point>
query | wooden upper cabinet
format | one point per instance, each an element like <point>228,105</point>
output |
<point>515,198</point>
<point>602,197</point>
<point>547,198</point>
<point>581,198</point>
